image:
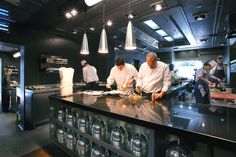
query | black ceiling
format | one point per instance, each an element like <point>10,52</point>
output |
<point>177,20</point>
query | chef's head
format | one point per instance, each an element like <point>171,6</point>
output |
<point>83,63</point>
<point>120,63</point>
<point>151,60</point>
<point>207,66</point>
<point>220,59</point>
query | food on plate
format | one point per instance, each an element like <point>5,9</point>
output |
<point>215,90</point>
<point>135,97</point>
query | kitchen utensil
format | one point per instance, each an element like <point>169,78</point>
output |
<point>139,145</point>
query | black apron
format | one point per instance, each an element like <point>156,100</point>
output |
<point>202,91</point>
<point>219,73</point>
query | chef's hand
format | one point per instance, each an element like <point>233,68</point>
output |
<point>138,89</point>
<point>158,95</point>
<point>108,87</point>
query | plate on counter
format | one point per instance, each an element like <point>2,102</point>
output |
<point>96,93</point>
<point>113,92</point>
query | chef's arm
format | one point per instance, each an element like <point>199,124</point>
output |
<point>166,81</point>
<point>205,80</point>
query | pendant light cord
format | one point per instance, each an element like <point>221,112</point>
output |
<point>104,10</point>
<point>129,7</point>
<point>85,24</point>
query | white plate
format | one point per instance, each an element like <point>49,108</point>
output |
<point>113,92</point>
<point>96,93</point>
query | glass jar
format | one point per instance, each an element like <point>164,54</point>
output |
<point>83,123</point>
<point>98,129</point>
<point>118,136</point>
<point>139,145</point>
<point>60,136</point>
<point>70,141</point>
<point>82,146</point>
<point>98,151</point>
<point>69,120</point>
<point>60,115</point>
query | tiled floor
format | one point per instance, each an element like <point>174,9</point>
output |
<point>15,143</point>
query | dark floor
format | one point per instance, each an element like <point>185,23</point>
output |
<point>15,143</point>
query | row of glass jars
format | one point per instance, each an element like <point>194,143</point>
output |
<point>82,146</point>
<point>98,129</point>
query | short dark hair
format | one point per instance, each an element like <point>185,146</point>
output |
<point>206,63</point>
<point>120,61</point>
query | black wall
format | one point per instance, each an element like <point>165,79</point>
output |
<point>39,42</point>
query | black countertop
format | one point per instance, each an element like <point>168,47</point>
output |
<point>218,124</point>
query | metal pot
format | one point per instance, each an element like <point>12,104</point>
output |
<point>118,136</point>
<point>139,145</point>
<point>82,146</point>
<point>98,151</point>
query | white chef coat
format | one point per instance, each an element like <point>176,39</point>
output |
<point>122,77</point>
<point>154,80</point>
<point>90,74</point>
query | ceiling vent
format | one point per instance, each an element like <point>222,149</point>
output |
<point>200,16</point>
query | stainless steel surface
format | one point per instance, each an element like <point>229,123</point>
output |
<point>139,145</point>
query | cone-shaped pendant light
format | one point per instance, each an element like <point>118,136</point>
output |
<point>130,41</point>
<point>103,45</point>
<point>84,47</point>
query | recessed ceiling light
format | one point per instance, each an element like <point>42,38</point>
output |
<point>68,15</point>
<point>92,28</point>
<point>199,6</point>
<point>92,2</point>
<point>161,32</point>
<point>158,7</point>
<point>109,23</point>
<point>168,38</point>
<point>75,31</point>
<point>200,16</point>
<point>203,40</point>
<point>74,12</point>
<point>16,55</point>
<point>151,24</point>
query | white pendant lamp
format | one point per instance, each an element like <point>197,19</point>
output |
<point>130,41</point>
<point>84,47</point>
<point>103,45</point>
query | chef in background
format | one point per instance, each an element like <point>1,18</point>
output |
<point>123,74</point>
<point>6,90</point>
<point>220,70</point>
<point>202,79</point>
<point>154,78</point>
<point>90,76</point>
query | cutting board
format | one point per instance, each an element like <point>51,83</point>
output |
<point>223,95</point>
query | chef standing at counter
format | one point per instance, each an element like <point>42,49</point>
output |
<point>123,75</point>
<point>202,77</point>
<point>90,76</point>
<point>6,90</point>
<point>153,78</point>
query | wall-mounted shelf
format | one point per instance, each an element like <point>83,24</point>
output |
<point>51,64</point>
